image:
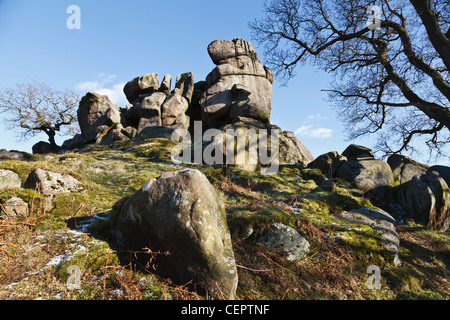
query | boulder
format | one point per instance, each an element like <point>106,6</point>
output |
<point>113,135</point>
<point>166,84</point>
<point>183,214</point>
<point>427,200</point>
<point>42,147</point>
<point>443,171</point>
<point>366,173</point>
<point>96,116</point>
<point>286,240</point>
<point>150,110</point>
<point>239,86</point>
<point>355,151</point>
<point>220,50</point>
<point>404,168</point>
<point>76,142</point>
<point>185,85</point>
<point>14,207</point>
<point>329,163</point>
<point>382,223</point>
<point>293,151</point>
<point>9,179</point>
<point>157,132</point>
<point>247,149</point>
<point>12,155</point>
<point>146,83</point>
<point>173,107</point>
<point>49,183</point>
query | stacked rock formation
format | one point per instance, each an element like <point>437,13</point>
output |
<point>239,86</point>
<point>152,105</point>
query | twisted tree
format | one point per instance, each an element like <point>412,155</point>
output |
<point>35,107</point>
<point>390,60</point>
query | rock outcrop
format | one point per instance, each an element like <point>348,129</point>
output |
<point>182,213</point>
<point>236,93</point>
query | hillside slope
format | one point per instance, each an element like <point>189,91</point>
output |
<point>38,251</point>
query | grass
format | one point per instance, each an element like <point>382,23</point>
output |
<point>334,268</point>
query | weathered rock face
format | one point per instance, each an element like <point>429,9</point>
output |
<point>428,200</point>
<point>253,145</point>
<point>158,106</point>
<point>404,168</point>
<point>49,183</point>
<point>239,86</point>
<point>286,240</point>
<point>181,212</point>
<point>150,110</point>
<point>9,179</point>
<point>382,222</point>
<point>96,116</point>
<point>293,151</point>
<point>366,174</point>
<point>329,163</point>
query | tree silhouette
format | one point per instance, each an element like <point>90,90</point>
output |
<point>390,60</point>
<point>35,107</point>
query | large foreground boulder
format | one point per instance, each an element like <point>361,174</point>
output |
<point>181,213</point>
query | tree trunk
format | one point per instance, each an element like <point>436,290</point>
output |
<point>51,138</point>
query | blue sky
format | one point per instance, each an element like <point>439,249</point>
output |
<point>120,40</point>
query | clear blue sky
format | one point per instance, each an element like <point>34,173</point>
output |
<point>120,40</point>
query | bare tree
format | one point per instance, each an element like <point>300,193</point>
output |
<point>390,60</point>
<point>35,107</point>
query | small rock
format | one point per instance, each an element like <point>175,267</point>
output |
<point>285,239</point>
<point>9,179</point>
<point>49,183</point>
<point>14,207</point>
